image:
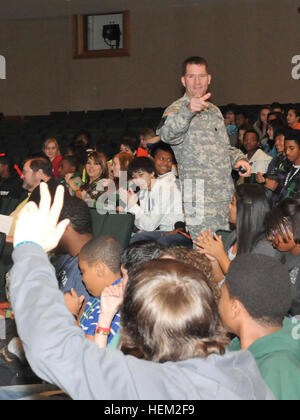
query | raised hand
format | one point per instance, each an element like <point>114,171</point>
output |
<point>111,299</point>
<point>210,244</point>
<point>40,224</point>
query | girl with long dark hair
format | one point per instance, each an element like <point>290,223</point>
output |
<point>283,230</point>
<point>247,212</point>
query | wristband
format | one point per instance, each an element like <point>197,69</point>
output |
<point>26,242</point>
<point>103,331</point>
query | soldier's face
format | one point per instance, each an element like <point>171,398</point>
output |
<point>196,80</point>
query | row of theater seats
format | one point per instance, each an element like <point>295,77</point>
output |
<point>118,225</point>
<point>22,136</point>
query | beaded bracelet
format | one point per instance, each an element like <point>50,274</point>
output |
<point>26,242</point>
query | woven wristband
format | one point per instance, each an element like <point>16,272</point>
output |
<point>103,331</point>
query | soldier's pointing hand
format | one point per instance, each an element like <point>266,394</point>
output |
<point>199,104</point>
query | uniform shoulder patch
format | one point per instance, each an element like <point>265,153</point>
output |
<point>173,109</point>
<point>170,111</point>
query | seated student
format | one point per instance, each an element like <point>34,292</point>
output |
<point>147,137</point>
<point>164,161</point>
<point>120,163</point>
<point>132,257</point>
<point>273,127</point>
<point>80,154</point>
<point>256,297</point>
<point>129,144</point>
<point>142,252</point>
<point>277,163</point>
<point>247,212</point>
<point>99,262</point>
<point>51,150</point>
<point>67,173</point>
<point>241,119</point>
<point>283,230</point>
<point>293,118</point>
<point>136,254</point>
<point>96,170</point>
<point>109,201</point>
<point>258,159</point>
<point>241,132</point>
<point>229,114</point>
<point>288,182</point>
<point>190,331</point>
<point>229,120</point>
<point>112,297</point>
<point>77,234</point>
<point>261,125</point>
<point>10,182</point>
<point>160,204</point>
<point>192,258</point>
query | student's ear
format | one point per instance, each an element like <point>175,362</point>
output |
<point>68,229</point>
<point>124,273</point>
<point>236,308</point>
<point>100,268</point>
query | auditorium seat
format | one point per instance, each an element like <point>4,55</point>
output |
<point>118,225</point>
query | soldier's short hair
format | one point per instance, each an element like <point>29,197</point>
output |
<point>194,60</point>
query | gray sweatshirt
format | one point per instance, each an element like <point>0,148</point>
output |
<point>59,353</point>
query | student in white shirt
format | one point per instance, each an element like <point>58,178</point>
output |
<point>157,206</point>
<point>258,159</point>
<point>164,161</point>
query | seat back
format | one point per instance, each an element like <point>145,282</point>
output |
<point>118,225</point>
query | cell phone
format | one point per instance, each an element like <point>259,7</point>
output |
<point>240,169</point>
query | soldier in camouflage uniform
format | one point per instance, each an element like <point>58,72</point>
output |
<point>196,131</point>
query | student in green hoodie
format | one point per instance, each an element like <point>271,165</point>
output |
<point>256,296</point>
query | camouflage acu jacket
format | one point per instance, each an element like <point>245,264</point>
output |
<point>202,148</point>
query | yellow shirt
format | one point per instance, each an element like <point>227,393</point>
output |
<point>15,215</point>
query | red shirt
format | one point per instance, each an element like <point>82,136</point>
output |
<point>55,164</point>
<point>142,152</point>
